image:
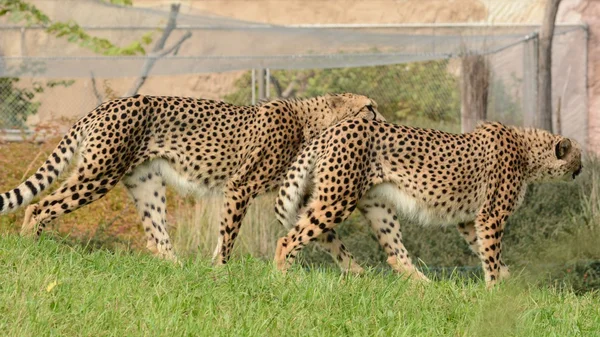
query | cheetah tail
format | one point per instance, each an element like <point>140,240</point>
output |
<point>58,160</point>
<point>295,192</point>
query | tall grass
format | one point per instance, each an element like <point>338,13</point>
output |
<point>196,227</point>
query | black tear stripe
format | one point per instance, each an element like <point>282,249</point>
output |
<point>31,187</point>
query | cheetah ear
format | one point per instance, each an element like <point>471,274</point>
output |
<point>334,101</point>
<point>562,148</point>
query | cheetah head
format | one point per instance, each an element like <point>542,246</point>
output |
<point>552,157</point>
<point>348,105</point>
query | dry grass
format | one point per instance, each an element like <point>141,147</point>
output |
<point>113,222</point>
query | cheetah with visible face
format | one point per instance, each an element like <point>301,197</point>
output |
<point>194,145</point>
<point>473,180</point>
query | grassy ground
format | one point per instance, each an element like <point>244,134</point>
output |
<point>93,277</point>
<point>52,288</point>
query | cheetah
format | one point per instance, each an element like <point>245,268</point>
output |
<point>195,145</point>
<point>473,180</point>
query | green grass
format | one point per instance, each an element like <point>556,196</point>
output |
<point>52,288</point>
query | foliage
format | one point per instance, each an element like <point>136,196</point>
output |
<point>16,104</point>
<point>504,100</point>
<point>21,11</point>
<point>75,34</point>
<point>403,91</point>
<point>120,2</point>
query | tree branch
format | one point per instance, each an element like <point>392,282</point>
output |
<point>174,47</point>
<point>276,84</point>
<point>159,50</point>
<point>290,90</point>
<point>99,98</point>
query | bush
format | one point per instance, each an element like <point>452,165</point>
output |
<point>18,103</point>
<point>403,91</point>
<point>15,104</point>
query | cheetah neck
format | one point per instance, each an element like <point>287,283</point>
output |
<point>529,137</point>
<point>314,115</point>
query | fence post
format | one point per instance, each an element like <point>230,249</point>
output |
<point>268,82</point>
<point>261,83</point>
<point>530,65</point>
<point>544,92</point>
<point>253,86</point>
<point>474,91</point>
<point>23,43</point>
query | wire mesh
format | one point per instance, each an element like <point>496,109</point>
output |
<point>413,72</point>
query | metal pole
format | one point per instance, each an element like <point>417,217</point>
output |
<point>261,83</point>
<point>529,97</point>
<point>586,96</point>
<point>268,93</point>
<point>253,86</point>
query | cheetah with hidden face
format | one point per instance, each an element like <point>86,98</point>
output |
<point>473,180</point>
<point>194,145</point>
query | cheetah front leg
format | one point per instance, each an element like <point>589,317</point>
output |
<point>467,231</point>
<point>489,228</point>
<point>384,221</point>
<point>148,191</point>
<point>234,210</point>
<point>238,192</point>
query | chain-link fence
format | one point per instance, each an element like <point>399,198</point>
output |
<point>425,93</point>
<point>413,72</point>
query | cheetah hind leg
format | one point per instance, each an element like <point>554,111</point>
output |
<point>30,224</point>
<point>330,242</point>
<point>148,191</point>
<point>333,245</point>
<point>384,221</point>
<point>309,227</point>
<point>70,196</point>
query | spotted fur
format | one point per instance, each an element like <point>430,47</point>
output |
<point>474,181</point>
<point>195,145</point>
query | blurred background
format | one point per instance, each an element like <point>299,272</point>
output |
<point>426,63</point>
